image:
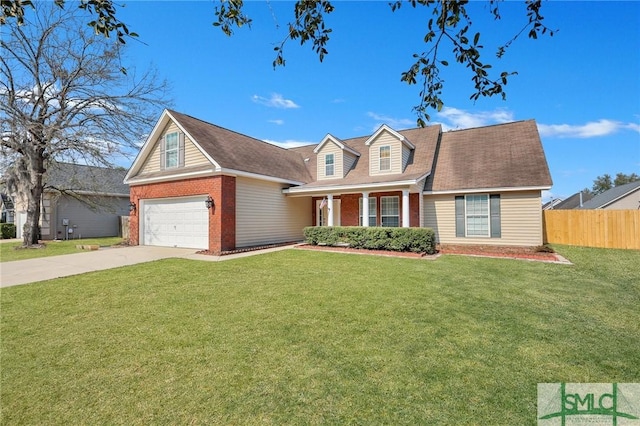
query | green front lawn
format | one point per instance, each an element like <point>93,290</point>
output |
<point>8,251</point>
<point>301,337</point>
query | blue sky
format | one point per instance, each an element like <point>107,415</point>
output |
<point>582,85</point>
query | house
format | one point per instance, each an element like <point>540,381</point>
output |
<point>195,184</point>
<point>574,201</point>
<point>79,201</point>
<point>621,197</point>
<point>7,209</point>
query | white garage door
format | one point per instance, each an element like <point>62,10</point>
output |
<point>180,222</point>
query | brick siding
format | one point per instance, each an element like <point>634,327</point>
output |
<point>222,218</point>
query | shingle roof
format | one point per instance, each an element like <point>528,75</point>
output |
<point>83,178</point>
<point>607,197</point>
<point>424,139</point>
<point>573,202</point>
<point>235,151</point>
<point>500,156</point>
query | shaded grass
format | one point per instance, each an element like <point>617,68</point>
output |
<point>298,337</point>
<point>9,251</point>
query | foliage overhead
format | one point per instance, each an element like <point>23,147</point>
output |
<point>450,25</point>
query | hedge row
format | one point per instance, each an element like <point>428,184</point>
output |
<point>7,230</point>
<point>417,240</point>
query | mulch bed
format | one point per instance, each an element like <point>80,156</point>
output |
<point>526,253</point>
<point>529,253</point>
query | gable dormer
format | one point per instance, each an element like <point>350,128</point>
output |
<point>334,157</point>
<point>170,148</point>
<point>389,151</point>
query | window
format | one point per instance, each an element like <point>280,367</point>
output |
<point>390,211</point>
<point>478,216</point>
<point>171,149</point>
<point>385,158</point>
<point>328,165</point>
<point>372,211</point>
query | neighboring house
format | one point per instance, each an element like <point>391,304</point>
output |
<point>622,197</point>
<point>551,204</point>
<point>573,202</point>
<point>7,209</point>
<point>202,186</point>
<point>79,201</point>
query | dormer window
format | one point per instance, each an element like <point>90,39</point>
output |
<point>328,165</point>
<point>385,158</point>
<point>171,149</point>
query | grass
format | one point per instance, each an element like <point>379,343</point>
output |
<point>299,337</point>
<point>9,251</point>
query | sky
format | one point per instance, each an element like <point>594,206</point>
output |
<point>582,86</point>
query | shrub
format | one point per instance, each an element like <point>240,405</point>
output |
<point>8,230</point>
<point>417,240</point>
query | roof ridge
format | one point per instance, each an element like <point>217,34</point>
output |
<point>226,129</point>
<point>492,125</point>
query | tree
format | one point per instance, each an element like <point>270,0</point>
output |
<point>64,97</point>
<point>623,179</point>
<point>451,23</point>
<point>605,183</point>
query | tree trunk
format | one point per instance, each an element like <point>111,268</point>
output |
<point>31,230</point>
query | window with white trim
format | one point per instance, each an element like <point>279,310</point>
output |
<point>478,215</point>
<point>372,211</point>
<point>390,211</point>
<point>328,165</point>
<point>171,150</point>
<point>385,158</point>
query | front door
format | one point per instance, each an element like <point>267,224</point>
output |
<point>322,214</point>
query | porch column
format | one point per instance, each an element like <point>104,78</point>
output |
<point>365,209</point>
<point>330,210</point>
<point>405,208</point>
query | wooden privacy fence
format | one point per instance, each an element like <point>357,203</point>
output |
<point>593,228</point>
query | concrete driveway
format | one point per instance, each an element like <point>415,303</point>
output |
<point>46,268</point>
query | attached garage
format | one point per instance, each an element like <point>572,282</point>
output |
<point>175,222</point>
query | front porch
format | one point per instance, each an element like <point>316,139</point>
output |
<point>388,208</point>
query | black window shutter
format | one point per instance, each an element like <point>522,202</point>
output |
<point>495,215</point>
<point>460,216</point>
<point>162,162</point>
<point>181,150</point>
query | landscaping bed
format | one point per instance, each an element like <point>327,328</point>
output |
<point>530,253</point>
<point>525,253</point>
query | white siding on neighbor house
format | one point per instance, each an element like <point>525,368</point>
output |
<point>385,139</point>
<point>265,216</point>
<point>46,216</point>
<point>192,155</point>
<point>330,148</point>
<point>629,202</point>
<point>520,219</point>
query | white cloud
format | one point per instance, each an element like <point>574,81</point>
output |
<point>394,123</point>
<point>289,143</point>
<point>278,122</point>
<point>591,129</point>
<point>455,119</point>
<point>275,101</point>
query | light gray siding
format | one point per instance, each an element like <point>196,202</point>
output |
<point>265,216</point>
<point>630,201</point>
<point>349,160</point>
<point>100,221</point>
<point>520,217</point>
